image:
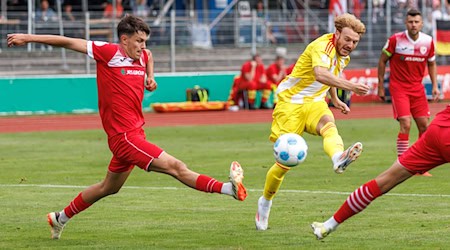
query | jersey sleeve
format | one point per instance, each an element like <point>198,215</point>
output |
<point>101,51</point>
<point>270,71</point>
<point>320,57</point>
<point>431,55</point>
<point>247,67</point>
<point>389,47</point>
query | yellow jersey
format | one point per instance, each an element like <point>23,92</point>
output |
<point>301,86</point>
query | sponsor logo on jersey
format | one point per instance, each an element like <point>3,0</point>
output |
<point>412,59</point>
<point>132,72</point>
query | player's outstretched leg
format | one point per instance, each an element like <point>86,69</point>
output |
<point>262,215</point>
<point>340,162</point>
<point>56,227</point>
<point>236,177</point>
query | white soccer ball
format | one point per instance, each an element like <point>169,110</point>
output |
<point>290,149</point>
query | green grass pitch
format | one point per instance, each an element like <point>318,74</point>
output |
<point>43,172</point>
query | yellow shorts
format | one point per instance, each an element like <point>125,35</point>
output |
<point>297,118</point>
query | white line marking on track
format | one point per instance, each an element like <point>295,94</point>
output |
<point>183,188</point>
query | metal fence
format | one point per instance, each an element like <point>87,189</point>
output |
<point>178,34</point>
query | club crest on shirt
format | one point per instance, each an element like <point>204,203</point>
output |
<point>423,50</point>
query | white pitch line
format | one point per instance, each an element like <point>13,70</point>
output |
<point>251,190</point>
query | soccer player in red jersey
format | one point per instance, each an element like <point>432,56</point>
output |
<point>409,53</point>
<point>290,68</point>
<point>123,71</point>
<point>431,150</point>
<point>275,73</point>
<point>252,76</point>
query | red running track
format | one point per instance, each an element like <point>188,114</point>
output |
<point>13,124</point>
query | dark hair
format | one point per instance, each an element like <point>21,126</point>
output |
<point>129,25</point>
<point>413,12</point>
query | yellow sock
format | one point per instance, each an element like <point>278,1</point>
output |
<point>332,141</point>
<point>251,96</point>
<point>274,178</point>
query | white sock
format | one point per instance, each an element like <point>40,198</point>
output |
<point>331,224</point>
<point>265,202</point>
<point>336,157</point>
<point>227,188</point>
<point>63,219</point>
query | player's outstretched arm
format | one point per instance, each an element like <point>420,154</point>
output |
<point>76,44</point>
<point>325,77</point>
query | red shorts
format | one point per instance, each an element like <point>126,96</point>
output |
<point>247,85</point>
<point>409,104</point>
<point>265,86</point>
<point>431,150</point>
<point>130,149</point>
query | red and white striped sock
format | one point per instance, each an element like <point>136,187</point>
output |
<point>76,206</point>
<point>402,143</point>
<point>358,201</point>
<point>207,184</point>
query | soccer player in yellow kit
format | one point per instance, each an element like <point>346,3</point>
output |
<point>302,107</point>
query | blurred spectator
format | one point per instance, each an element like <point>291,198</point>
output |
<point>96,8</point>
<point>109,11</point>
<point>435,13</point>
<point>72,9</point>
<point>44,16</point>
<point>140,8</point>
<point>270,36</point>
<point>399,10</point>
<point>251,79</point>
<point>44,13</point>
<point>273,34</point>
<point>260,10</point>
<point>358,7</point>
<point>378,10</point>
<point>275,73</point>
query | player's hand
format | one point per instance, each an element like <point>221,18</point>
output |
<point>17,39</point>
<point>381,91</point>
<point>436,93</point>
<point>253,63</point>
<point>360,88</point>
<point>150,84</point>
<point>340,105</point>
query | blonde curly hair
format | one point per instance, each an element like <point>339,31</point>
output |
<point>350,21</point>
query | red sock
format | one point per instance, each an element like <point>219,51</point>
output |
<point>402,143</point>
<point>358,201</point>
<point>76,206</point>
<point>208,184</point>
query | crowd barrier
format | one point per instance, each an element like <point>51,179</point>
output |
<point>78,94</point>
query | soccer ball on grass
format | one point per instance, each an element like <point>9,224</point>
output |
<point>290,149</point>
